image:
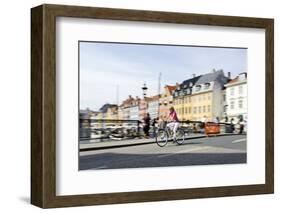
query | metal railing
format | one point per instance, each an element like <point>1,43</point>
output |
<point>108,129</point>
<point>98,130</point>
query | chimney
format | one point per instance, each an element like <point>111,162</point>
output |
<point>229,75</point>
<point>177,85</point>
<point>193,75</point>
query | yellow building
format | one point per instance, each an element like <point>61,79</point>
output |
<point>200,97</point>
<point>112,112</point>
<point>202,106</point>
<point>109,112</point>
<point>183,103</point>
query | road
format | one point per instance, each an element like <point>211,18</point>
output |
<point>204,151</point>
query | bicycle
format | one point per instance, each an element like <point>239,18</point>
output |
<point>166,134</point>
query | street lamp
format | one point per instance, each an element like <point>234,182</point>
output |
<point>144,89</point>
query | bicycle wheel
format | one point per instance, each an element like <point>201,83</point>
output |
<point>180,136</point>
<point>161,138</point>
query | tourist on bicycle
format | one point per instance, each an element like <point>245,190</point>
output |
<point>174,122</point>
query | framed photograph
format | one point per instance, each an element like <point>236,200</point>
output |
<point>138,106</point>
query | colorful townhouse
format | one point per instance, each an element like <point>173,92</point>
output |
<point>166,101</point>
<point>201,96</point>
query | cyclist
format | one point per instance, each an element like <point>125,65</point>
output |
<point>174,122</point>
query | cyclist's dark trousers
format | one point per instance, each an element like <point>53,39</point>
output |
<point>146,130</point>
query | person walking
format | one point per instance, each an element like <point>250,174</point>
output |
<point>241,125</point>
<point>155,125</point>
<point>146,126</point>
<point>232,127</point>
<point>203,124</point>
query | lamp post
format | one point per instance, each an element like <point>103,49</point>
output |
<point>144,103</point>
<point>144,89</point>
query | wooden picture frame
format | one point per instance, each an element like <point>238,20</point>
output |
<point>43,105</point>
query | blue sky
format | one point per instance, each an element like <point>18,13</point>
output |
<point>104,67</point>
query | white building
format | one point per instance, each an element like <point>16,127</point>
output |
<point>236,97</point>
<point>134,112</point>
<point>153,107</point>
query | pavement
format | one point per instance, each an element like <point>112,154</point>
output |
<point>226,149</point>
<point>87,145</point>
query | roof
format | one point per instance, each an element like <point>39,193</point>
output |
<point>84,111</point>
<point>105,107</point>
<point>185,86</point>
<point>213,76</point>
<point>171,88</point>
<point>237,80</point>
<point>233,80</point>
<point>191,80</point>
<point>152,98</point>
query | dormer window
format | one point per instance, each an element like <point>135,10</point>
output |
<point>207,86</point>
<point>197,88</point>
<point>242,76</point>
<point>190,84</point>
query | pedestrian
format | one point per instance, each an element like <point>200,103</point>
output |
<point>146,126</point>
<point>203,123</point>
<point>216,120</point>
<point>232,125</point>
<point>154,125</point>
<point>226,119</point>
<point>241,125</point>
<point>174,122</point>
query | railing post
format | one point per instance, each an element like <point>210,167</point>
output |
<point>138,127</point>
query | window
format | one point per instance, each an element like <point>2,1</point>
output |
<point>197,88</point>
<point>204,109</point>
<point>240,88</point>
<point>209,108</point>
<point>199,109</point>
<point>224,108</point>
<point>194,110</point>
<point>232,91</point>
<point>207,86</point>
<point>232,105</point>
<point>240,104</point>
<point>199,98</point>
<point>209,97</point>
<point>189,110</point>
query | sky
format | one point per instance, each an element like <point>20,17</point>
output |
<point>110,72</point>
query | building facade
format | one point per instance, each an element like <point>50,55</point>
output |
<point>134,109</point>
<point>182,98</point>
<point>166,101</point>
<point>207,96</point>
<point>109,111</point>
<point>143,106</point>
<point>201,97</point>
<point>236,97</point>
<point>153,106</point>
